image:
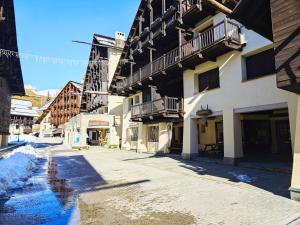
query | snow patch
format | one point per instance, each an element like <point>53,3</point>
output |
<point>22,138</point>
<point>16,167</point>
<point>243,177</point>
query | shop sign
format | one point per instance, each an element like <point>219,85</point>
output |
<point>98,123</point>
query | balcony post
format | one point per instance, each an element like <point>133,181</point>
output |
<point>200,41</point>
<point>164,57</point>
<point>151,61</point>
<point>180,43</point>
<point>131,71</point>
<point>225,29</point>
<point>140,73</point>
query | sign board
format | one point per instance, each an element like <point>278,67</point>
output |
<point>98,123</point>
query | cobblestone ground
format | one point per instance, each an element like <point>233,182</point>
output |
<point>143,189</point>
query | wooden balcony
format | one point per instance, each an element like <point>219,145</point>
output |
<point>166,107</point>
<point>97,102</point>
<point>194,11</point>
<point>218,40</point>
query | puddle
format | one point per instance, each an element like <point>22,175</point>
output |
<point>46,199</point>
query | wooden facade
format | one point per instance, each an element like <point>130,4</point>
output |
<point>286,31</point>
<point>11,80</point>
<point>65,106</point>
<point>160,46</point>
<point>10,67</point>
<point>95,88</point>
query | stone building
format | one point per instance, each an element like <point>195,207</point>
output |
<point>11,80</point>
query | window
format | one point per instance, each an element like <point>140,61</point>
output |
<point>209,80</point>
<point>137,100</point>
<point>261,64</point>
<point>153,134</point>
<point>130,103</point>
<point>134,134</point>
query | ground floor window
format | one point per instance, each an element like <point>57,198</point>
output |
<point>153,133</point>
<point>134,136</point>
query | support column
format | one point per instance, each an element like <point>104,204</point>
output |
<point>142,141</point>
<point>4,141</point>
<point>190,139</point>
<point>233,146</point>
<point>295,187</point>
<point>163,138</point>
<point>1,141</point>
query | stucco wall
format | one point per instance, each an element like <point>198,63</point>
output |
<point>79,125</point>
<point>5,105</point>
<point>45,126</point>
<point>142,145</point>
<point>296,168</point>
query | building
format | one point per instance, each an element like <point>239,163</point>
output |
<point>65,106</point>
<point>23,116</point>
<point>45,128</point>
<point>194,78</point>
<point>278,21</point>
<point>11,80</point>
<point>99,122</point>
<point>162,44</point>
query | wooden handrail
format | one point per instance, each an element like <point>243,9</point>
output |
<point>225,30</point>
<point>162,105</point>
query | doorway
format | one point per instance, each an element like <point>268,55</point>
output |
<point>284,143</point>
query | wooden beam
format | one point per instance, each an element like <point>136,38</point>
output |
<point>220,7</point>
<point>2,18</point>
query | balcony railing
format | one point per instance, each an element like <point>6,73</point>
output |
<point>187,5</point>
<point>165,105</point>
<point>97,101</point>
<point>224,31</point>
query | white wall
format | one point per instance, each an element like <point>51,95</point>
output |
<point>234,93</point>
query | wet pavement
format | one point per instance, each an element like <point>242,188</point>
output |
<point>46,199</point>
<point>101,186</point>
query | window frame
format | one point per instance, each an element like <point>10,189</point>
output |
<point>210,82</point>
<point>251,75</point>
<point>153,134</point>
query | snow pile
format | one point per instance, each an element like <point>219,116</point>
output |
<point>16,168</point>
<point>243,177</point>
<point>22,138</point>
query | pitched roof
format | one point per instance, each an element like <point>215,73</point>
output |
<point>22,108</point>
<point>46,111</point>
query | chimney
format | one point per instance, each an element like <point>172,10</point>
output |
<point>120,39</point>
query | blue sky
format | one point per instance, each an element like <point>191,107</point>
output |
<point>47,28</point>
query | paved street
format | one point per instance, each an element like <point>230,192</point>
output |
<point>119,187</point>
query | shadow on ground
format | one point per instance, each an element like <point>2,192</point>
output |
<point>82,176</point>
<point>254,174</point>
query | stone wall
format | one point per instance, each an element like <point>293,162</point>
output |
<point>5,104</point>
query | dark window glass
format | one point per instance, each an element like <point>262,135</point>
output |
<point>261,64</point>
<point>209,80</point>
<point>130,103</point>
<point>153,134</point>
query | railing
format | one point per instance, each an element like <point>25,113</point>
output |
<point>163,105</point>
<point>224,31</point>
<point>169,21</point>
<point>188,4</point>
<point>156,31</point>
